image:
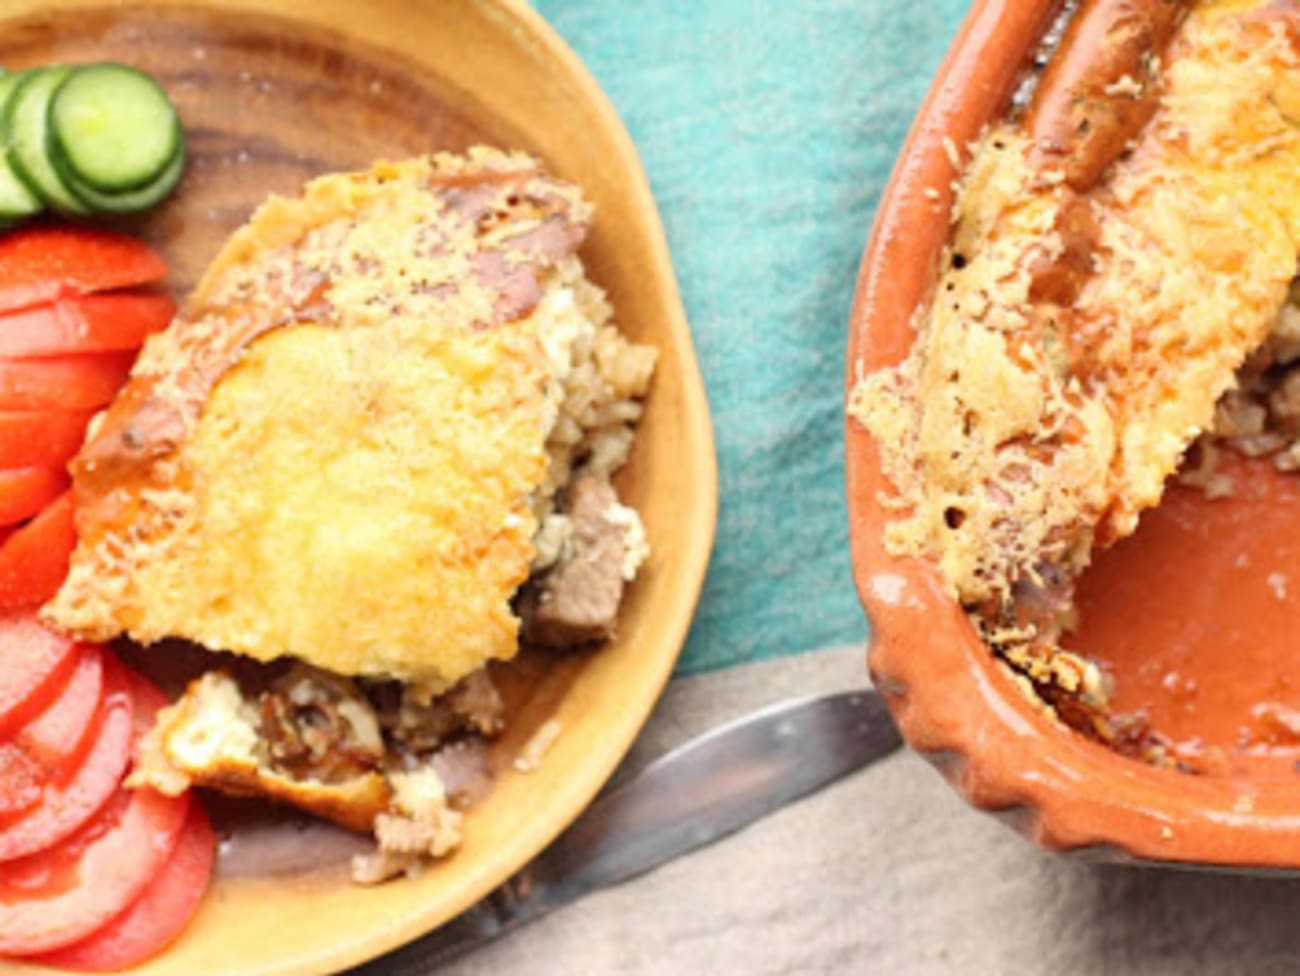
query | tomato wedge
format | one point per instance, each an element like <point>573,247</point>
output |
<point>26,491</point>
<point>59,737</point>
<point>66,383</point>
<point>21,781</point>
<point>94,323</point>
<point>35,663</point>
<point>44,438</point>
<point>63,894</point>
<point>43,264</point>
<point>65,807</point>
<point>158,916</point>
<point>34,560</point>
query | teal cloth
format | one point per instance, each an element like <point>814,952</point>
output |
<point>768,129</point>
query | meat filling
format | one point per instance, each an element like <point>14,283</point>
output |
<point>577,600</point>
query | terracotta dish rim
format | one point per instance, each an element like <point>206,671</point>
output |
<point>952,700</point>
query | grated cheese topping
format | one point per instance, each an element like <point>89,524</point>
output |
<point>332,454</point>
<point>1023,427</point>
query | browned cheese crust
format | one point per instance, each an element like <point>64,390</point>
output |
<point>1116,255</point>
<point>330,452</point>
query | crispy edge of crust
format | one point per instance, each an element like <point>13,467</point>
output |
<point>353,804</point>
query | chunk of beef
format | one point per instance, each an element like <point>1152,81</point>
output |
<point>577,601</point>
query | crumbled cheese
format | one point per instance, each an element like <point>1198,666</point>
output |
<point>228,727</point>
<point>559,328</point>
<point>418,794</point>
<point>552,542</point>
<point>1127,85</point>
<point>538,745</point>
<point>636,547</point>
<point>950,148</point>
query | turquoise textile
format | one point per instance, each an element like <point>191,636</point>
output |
<point>768,128</point>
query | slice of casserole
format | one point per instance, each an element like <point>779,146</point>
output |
<point>392,402</point>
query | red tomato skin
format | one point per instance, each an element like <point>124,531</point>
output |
<point>66,807</point>
<point>25,491</point>
<point>158,916</point>
<point>34,560</point>
<point>41,438</point>
<point>147,701</point>
<point>115,322</point>
<point>60,736</point>
<point>43,263</point>
<point>21,780</point>
<point>37,663</point>
<point>63,383</point>
<point>63,894</point>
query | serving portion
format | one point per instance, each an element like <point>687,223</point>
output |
<point>1114,295</point>
<point>390,403</point>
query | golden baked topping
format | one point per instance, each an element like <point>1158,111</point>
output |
<point>331,454</point>
<point>1077,343</point>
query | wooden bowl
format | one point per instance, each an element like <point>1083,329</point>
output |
<point>273,92</point>
<point>1178,584</point>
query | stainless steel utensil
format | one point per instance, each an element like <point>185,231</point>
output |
<point>704,790</point>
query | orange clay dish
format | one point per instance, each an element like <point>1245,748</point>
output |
<point>1078,290</point>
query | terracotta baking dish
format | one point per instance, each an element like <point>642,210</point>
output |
<point>953,701</point>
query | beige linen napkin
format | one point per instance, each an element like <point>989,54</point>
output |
<point>886,872</point>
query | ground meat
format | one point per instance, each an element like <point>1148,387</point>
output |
<point>465,770</point>
<point>1046,604</point>
<point>1239,414</point>
<point>1261,417</point>
<point>419,824</point>
<point>577,601</point>
<point>421,723</point>
<point>319,726</point>
<point>1284,401</point>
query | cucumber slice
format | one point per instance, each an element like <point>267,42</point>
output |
<point>25,121</point>
<point>134,201</point>
<point>17,201</point>
<point>112,128</point>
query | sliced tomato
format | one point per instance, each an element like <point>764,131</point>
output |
<point>58,738</point>
<point>26,491</point>
<point>94,323</point>
<point>158,916</point>
<point>41,438</point>
<point>65,807</point>
<point>64,893</point>
<point>65,383</point>
<point>35,663</point>
<point>147,700</point>
<point>34,559</point>
<point>44,263</point>
<point>21,781</point>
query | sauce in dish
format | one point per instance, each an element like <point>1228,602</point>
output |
<point>1197,619</point>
